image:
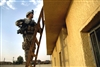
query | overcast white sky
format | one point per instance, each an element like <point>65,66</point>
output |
<point>10,41</point>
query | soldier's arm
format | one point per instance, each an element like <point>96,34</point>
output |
<point>19,22</point>
<point>39,28</point>
<point>36,26</point>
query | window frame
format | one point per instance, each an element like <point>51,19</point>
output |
<point>93,31</point>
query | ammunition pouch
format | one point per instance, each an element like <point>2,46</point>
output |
<point>22,31</point>
<point>25,46</point>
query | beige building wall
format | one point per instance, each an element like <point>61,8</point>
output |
<point>74,46</point>
<point>58,55</point>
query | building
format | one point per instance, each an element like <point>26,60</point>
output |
<point>73,32</point>
<point>5,63</point>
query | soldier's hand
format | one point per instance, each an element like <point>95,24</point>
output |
<point>40,30</point>
<point>18,23</point>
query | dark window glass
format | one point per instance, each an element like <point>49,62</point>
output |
<point>98,36</point>
<point>60,59</point>
<point>98,41</point>
<point>95,39</point>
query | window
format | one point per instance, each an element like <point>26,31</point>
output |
<point>54,61</point>
<point>95,40</point>
<point>60,59</point>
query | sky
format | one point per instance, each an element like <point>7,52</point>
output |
<point>10,41</point>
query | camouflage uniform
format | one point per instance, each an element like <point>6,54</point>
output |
<point>27,35</point>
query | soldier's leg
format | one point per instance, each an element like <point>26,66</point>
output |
<point>26,54</point>
<point>31,58</point>
<point>33,51</point>
<point>26,57</point>
<point>26,48</point>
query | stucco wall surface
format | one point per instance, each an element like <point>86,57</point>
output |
<point>80,14</point>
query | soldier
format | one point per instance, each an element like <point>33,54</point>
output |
<point>27,27</point>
